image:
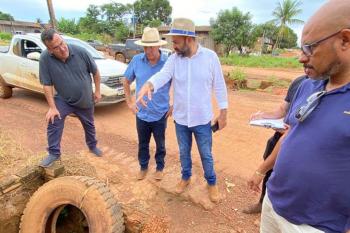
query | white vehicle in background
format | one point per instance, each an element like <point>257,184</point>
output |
<point>19,67</point>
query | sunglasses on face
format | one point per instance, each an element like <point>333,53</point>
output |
<point>311,103</point>
<point>307,49</point>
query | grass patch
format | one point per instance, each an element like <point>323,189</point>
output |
<point>238,75</point>
<point>278,82</point>
<point>264,61</point>
<point>13,156</point>
<point>5,36</point>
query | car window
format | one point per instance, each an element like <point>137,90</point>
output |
<point>22,47</point>
<point>16,48</point>
<point>93,52</point>
<point>29,47</point>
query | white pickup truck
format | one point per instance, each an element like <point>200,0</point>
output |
<point>19,67</point>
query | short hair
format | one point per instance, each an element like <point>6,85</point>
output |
<point>47,35</point>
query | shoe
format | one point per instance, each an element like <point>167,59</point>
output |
<point>253,209</point>
<point>214,194</point>
<point>49,160</point>
<point>181,186</point>
<point>142,174</point>
<point>97,152</point>
<point>158,175</point>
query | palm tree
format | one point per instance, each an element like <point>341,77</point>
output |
<point>285,14</point>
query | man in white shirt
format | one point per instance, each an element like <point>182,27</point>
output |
<point>195,72</point>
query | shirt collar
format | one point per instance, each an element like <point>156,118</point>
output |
<point>322,85</point>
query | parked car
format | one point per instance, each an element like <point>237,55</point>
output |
<point>125,52</point>
<point>19,67</point>
<point>98,45</point>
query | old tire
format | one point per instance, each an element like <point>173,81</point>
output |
<point>120,57</point>
<point>5,90</point>
<point>92,197</point>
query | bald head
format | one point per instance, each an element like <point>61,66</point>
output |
<point>331,17</point>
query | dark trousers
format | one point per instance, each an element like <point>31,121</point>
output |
<point>271,143</point>
<point>55,130</point>
<point>144,131</point>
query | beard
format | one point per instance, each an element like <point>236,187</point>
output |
<point>184,51</point>
<point>332,69</point>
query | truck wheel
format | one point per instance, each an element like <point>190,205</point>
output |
<point>120,57</point>
<point>88,196</point>
<point>5,91</point>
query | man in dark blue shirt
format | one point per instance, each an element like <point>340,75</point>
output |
<point>66,70</point>
<point>309,189</point>
<point>153,119</point>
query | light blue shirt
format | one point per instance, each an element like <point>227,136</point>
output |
<point>194,80</point>
<point>141,70</point>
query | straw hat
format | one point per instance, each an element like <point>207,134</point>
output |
<point>182,27</point>
<point>150,37</point>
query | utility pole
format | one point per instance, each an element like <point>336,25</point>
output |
<point>133,20</point>
<point>51,13</point>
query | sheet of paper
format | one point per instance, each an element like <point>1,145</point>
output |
<point>269,123</point>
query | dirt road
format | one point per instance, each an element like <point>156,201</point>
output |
<point>237,151</point>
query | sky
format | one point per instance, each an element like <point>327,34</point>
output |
<point>200,11</point>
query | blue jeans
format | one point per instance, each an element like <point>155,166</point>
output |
<point>144,131</point>
<point>203,136</point>
<point>55,130</point>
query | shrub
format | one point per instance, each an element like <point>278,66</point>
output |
<point>239,79</point>
<point>5,36</point>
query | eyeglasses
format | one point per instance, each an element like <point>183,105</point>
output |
<point>307,49</point>
<point>311,103</point>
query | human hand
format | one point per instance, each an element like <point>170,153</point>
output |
<point>133,107</point>
<point>255,181</point>
<point>170,111</point>
<point>258,115</point>
<point>50,115</point>
<point>282,131</point>
<point>97,96</point>
<point>222,119</point>
<point>146,90</point>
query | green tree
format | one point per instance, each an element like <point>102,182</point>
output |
<point>284,15</point>
<point>91,23</point>
<point>122,33</point>
<point>5,16</point>
<point>152,12</point>
<point>269,31</point>
<point>290,40</point>
<point>232,28</point>
<point>113,15</point>
<point>115,11</point>
<point>68,26</point>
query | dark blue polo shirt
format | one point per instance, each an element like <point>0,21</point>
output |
<point>71,79</point>
<point>310,183</point>
<point>140,70</point>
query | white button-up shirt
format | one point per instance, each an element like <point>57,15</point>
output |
<point>194,80</point>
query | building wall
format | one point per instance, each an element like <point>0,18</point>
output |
<point>13,26</point>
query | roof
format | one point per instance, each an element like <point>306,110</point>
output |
<point>20,23</point>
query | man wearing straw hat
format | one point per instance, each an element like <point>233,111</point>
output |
<point>151,120</point>
<point>196,73</point>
